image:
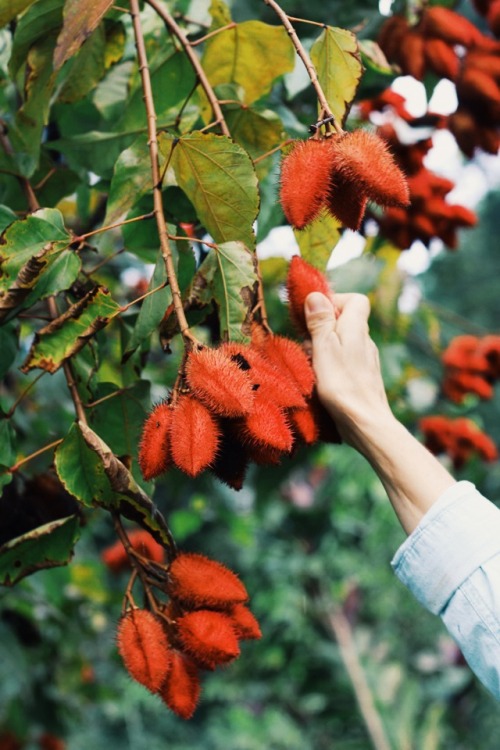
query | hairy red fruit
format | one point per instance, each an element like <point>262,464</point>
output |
<point>469,440</point>
<point>346,202</point>
<point>486,62</point>
<point>197,581</point>
<point>437,433</point>
<point>458,383</point>
<point>245,625</point>
<point>449,26</point>
<point>194,436</point>
<point>305,425</point>
<point>391,35</point>
<point>493,17</point>
<point>423,227</point>
<point>489,348</point>
<point>208,636</point>
<point>463,217</point>
<point>154,448</point>
<point>462,352</point>
<point>232,459</point>
<point>264,455</point>
<point>363,159</point>
<point>117,559</point>
<point>181,689</point>
<point>144,648</point>
<point>475,85</point>
<point>217,381</point>
<point>412,54</point>
<point>267,424</point>
<point>291,359</point>
<point>441,58</point>
<point>328,431</point>
<point>268,380</point>
<point>305,173</point>
<point>303,279</point>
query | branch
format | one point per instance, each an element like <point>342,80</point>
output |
<point>155,168</point>
<point>193,59</point>
<point>23,181</point>
<point>326,112</point>
<point>18,464</point>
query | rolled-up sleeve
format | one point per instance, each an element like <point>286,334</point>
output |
<point>451,563</point>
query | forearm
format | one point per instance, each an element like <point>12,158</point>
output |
<point>413,478</point>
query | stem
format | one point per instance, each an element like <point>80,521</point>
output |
<point>84,236</point>
<point>39,452</point>
<point>155,168</point>
<point>103,262</point>
<point>202,39</point>
<point>342,631</point>
<point>24,393</point>
<point>273,150</point>
<point>139,299</point>
<point>305,20</point>
<point>193,59</point>
<point>311,70</point>
<point>24,182</point>
<point>261,304</point>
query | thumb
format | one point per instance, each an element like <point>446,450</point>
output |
<point>319,313</point>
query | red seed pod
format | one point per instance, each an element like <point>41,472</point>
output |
<point>303,279</point>
<point>458,383</point>
<point>197,581</point>
<point>305,172</point>
<point>437,433</point>
<point>411,54</point>
<point>475,85</point>
<point>144,648</point>
<point>363,158</point>
<point>264,455</point>
<point>289,356</point>
<point>117,559</point>
<point>232,458</point>
<point>194,436</point>
<point>441,58</point>
<point>391,36</point>
<point>489,348</point>
<point>245,625</point>
<point>181,689</point>
<point>453,28</point>
<point>217,381</point>
<point>268,425</point>
<point>208,637</point>
<point>493,17</point>
<point>305,425</point>
<point>154,448</point>
<point>463,217</point>
<point>486,62</point>
<point>346,202</point>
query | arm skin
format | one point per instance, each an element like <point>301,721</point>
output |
<point>350,386</point>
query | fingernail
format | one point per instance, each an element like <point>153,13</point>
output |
<point>317,302</point>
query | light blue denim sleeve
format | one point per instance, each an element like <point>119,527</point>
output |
<point>451,563</point>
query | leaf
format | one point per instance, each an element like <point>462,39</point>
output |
<point>8,347</point>
<point>118,420</point>
<point>81,17</point>
<point>220,13</point>
<point>251,55</point>
<point>67,334</point>
<point>87,68</point>
<point>81,471</point>
<point>94,150</point>
<point>335,55</point>
<point>378,73</point>
<point>12,9</point>
<point>218,177</point>
<point>318,239</point>
<point>257,131</point>
<point>7,217</point>
<point>47,546</point>
<point>228,276</point>
<point>152,309</point>
<point>7,449</point>
<point>131,180</point>
<point>40,20</point>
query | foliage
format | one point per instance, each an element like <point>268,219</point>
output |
<point>129,235</point>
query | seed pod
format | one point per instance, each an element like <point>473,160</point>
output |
<point>143,646</point>
<point>194,436</point>
<point>181,689</point>
<point>305,173</point>
<point>217,381</point>
<point>411,55</point>
<point>346,202</point>
<point>117,559</point>
<point>391,36</point>
<point>363,159</point>
<point>474,85</point>
<point>303,279</point>
<point>245,625</point>
<point>231,461</point>
<point>154,448</point>
<point>289,356</point>
<point>208,637</point>
<point>449,26</point>
<point>267,424</point>
<point>305,425</point>
<point>197,581</point>
<point>441,58</point>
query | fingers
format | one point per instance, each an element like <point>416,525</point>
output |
<point>320,315</point>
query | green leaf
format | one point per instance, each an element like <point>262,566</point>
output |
<point>87,68</point>
<point>81,471</point>
<point>118,420</point>
<point>228,276</point>
<point>152,309</point>
<point>7,217</point>
<point>257,131</point>
<point>131,180</point>
<point>67,334</point>
<point>251,55</point>
<point>219,179</point>
<point>95,150</point>
<point>318,239</point>
<point>12,9</point>
<point>8,347</point>
<point>80,20</point>
<point>335,55</point>
<point>378,73</point>
<point>220,13</point>
<point>40,20</point>
<point>7,449</point>
<point>47,546</point>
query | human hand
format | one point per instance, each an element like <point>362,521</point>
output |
<point>346,363</point>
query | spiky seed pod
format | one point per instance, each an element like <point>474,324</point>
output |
<point>289,356</point>
<point>154,448</point>
<point>346,202</point>
<point>144,648</point>
<point>463,217</point>
<point>305,172</point>
<point>231,461</point>
<point>441,58</point>
<point>411,54</point>
<point>263,455</point>
<point>208,637</point>
<point>181,689</point>
<point>116,559</point>
<point>305,425</point>
<point>391,35</point>
<point>363,159</point>
<point>489,348</point>
<point>449,26</point>
<point>328,431</point>
<point>302,279</point>
<point>197,581</point>
<point>268,380</point>
<point>245,624</point>
<point>217,381</point>
<point>194,436</point>
<point>486,62</point>
<point>268,424</point>
<point>475,85</point>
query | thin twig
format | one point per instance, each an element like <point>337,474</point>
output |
<point>139,299</point>
<point>311,70</point>
<point>305,20</point>
<point>281,146</point>
<point>68,370</point>
<point>26,459</point>
<point>202,39</point>
<point>155,169</point>
<point>103,262</point>
<point>193,59</point>
<point>24,393</point>
<point>84,236</point>
<point>23,181</point>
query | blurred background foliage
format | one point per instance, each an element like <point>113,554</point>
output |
<point>311,539</point>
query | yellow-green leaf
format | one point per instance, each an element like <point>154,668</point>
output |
<point>258,131</point>
<point>11,10</point>
<point>335,55</point>
<point>251,55</point>
<point>318,239</point>
<point>220,13</point>
<point>81,17</point>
